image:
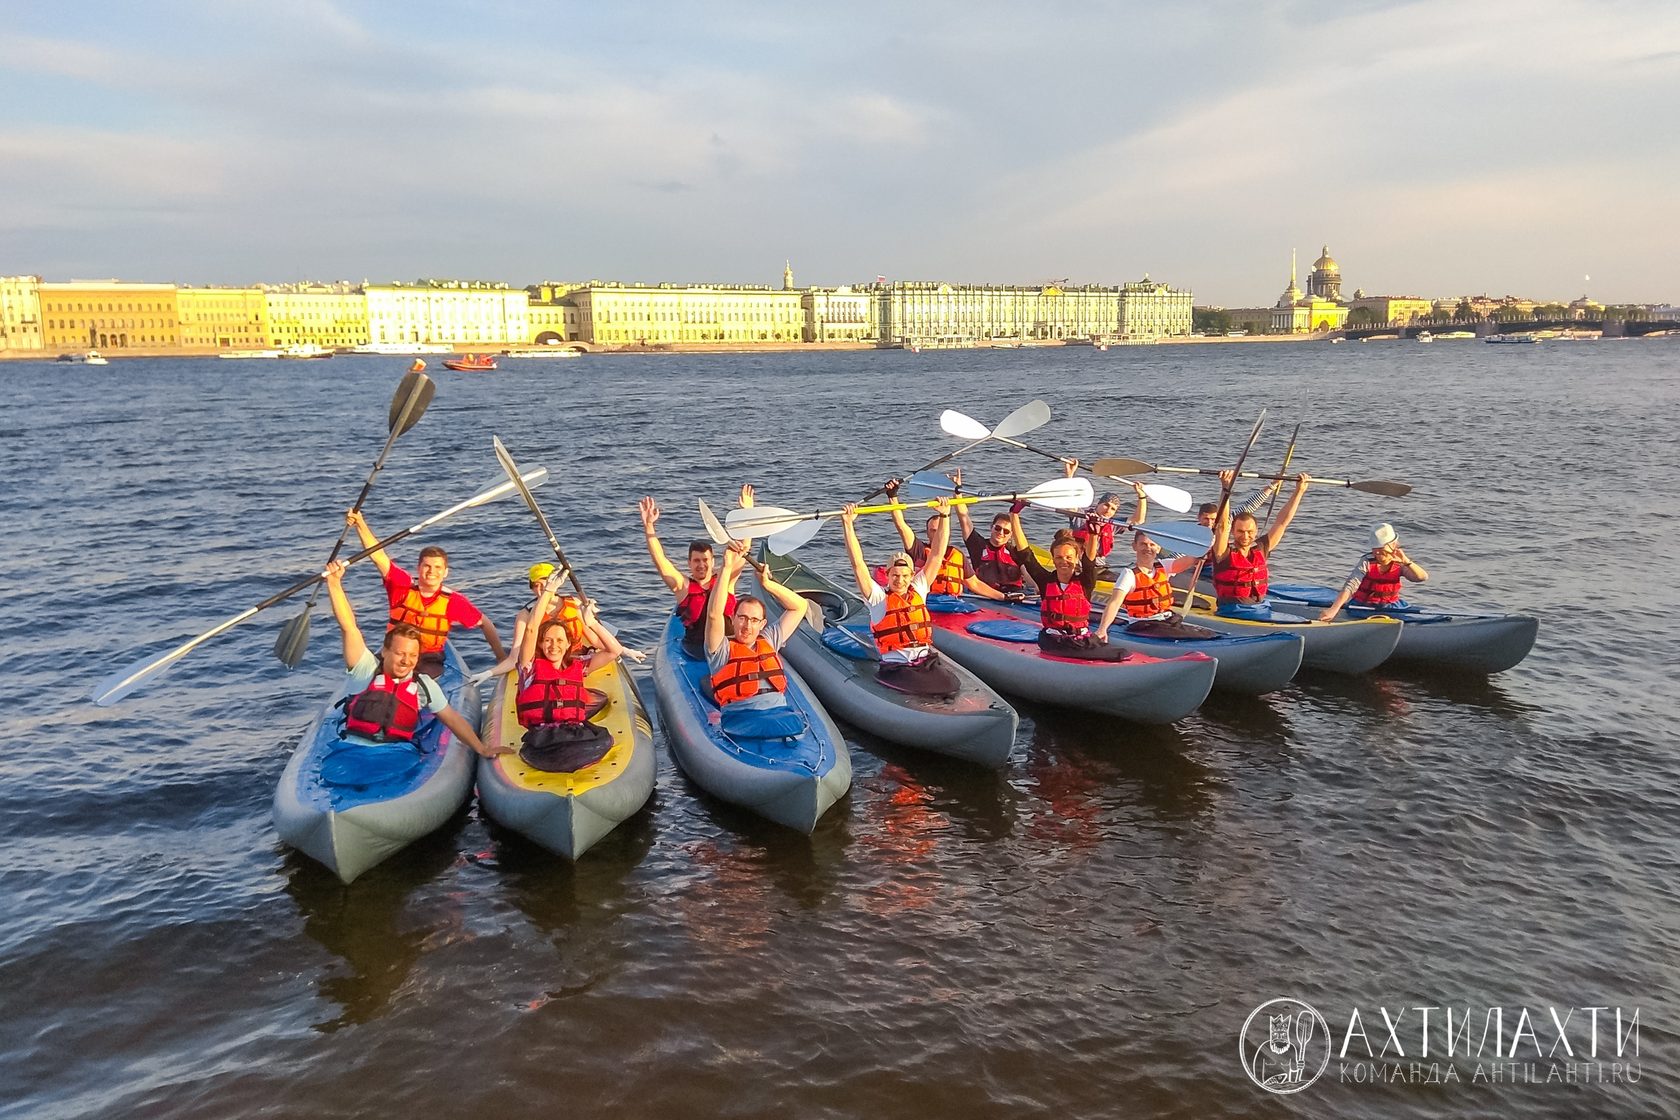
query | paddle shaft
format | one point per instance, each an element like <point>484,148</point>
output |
<point>961,500</point>
<point>1288,454</point>
<point>1314,479</point>
<point>946,458</point>
<point>518,481</point>
<point>1224,505</point>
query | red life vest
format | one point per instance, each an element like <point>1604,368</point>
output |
<point>1151,594</point>
<point>431,619</point>
<point>999,563</point>
<point>749,667</point>
<point>692,608</point>
<point>550,695</point>
<point>1064,607</point>
<point>1241,579</point>
<point>1380,585</point>
<point>906,623</point>
<point>385,711</point>
<point>1105,536</point>
<point>949,579</point>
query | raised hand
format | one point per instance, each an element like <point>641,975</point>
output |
<point>650,513</point>
<point>746,495</point>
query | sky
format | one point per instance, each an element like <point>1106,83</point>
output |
<point>1439,147</point>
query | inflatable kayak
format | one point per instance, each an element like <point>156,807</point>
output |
<point>976,724</point>
<point>1474,643</point>
<point>349,803</point>
<point>790,780</point>
<point>567,812</point>
<point>1001,647</point>
<point>1354,646</point>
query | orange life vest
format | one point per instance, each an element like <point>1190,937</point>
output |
<point>1241,579</point>
<point>1380,585</point>
<point>1064,607</point>
<point>431,619</point>
<point>550,695</point>
<point>749,668</point>
<point>385,711</point>
<point>949,580</point>
<point>1151,594</point>
<point>569,612</point>
<point>906,623</point>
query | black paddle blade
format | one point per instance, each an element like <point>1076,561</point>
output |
<point>1386,489</point>
<point>1116,468</point>
<point>293,641</point>
<point>409,402</point>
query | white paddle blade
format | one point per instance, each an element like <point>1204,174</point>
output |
<point>760,521</point>
<point>1186,537</point>
<point>1062,494</point>
<point>1168,497</point>
<point>1029,417</point>
<point>714,527</point>
<point>794,537</point>
<point>926,486</point>
<point>963,427</point>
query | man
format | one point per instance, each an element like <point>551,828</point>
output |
<point>953,574</point>
<point>748,680</point>
<point>1240,574</point>
<point>422,601</point>
<point>1098,521</point>
<point>387,693</point>
<point>1375,580</point>
<point>1145,589</point>
<point>691,590</point>
<point>898,614</point>
<point>989,555</point>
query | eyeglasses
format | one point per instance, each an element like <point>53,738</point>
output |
<point>750,618</point>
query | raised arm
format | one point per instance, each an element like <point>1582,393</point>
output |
<point>675,580</point>
<point>938,541</point>
<point>607,648</point>
<point>717,628</point>
<point>964,524</point>
<point>854,551</point>
<point>359,523</point>
<point>539,611</point>
<point>905,536</point>
<point>1222,526</point>
<point>344,615</point>
<point>1274,535</point>
<point>1142,510</point>
<point>794,606</point>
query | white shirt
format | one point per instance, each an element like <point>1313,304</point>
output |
<point>432,698</point>
<point>877,600</point>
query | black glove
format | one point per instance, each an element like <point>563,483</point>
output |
<point>891,489</point>
<point>1017,507</point>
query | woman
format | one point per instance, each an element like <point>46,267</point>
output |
<point>552,702</point>
<point>1375,580</point>
<point>1065,592</point>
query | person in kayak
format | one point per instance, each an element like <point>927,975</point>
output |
<point>953,574</point>
<point>553,703</point>
<point>1144,590</point>
<point>387,695</point>
<point>691,590</point>
<point>1066,590</point>
<point>748,680</point>
<point>898,614</point>
<point>422,601</point>
<point>1098,521</point>
<point>1239,553</point>
<point>1375,580</point>
<point>989,555</point>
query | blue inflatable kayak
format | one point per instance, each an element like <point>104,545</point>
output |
<point>1473,643</point>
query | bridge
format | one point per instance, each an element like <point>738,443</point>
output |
<point>1612,328</point>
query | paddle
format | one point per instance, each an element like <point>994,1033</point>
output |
<point>1289,453</point>
<point>928,484</point>
<point>1224,504</point>
<point>1168,497</point>
<point>1119,467</point>
<point>409,403</point>
<point>1029,417</point>
<point>124,681</point>
<point>788,529</point>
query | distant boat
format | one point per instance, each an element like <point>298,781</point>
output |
<point>91,358</point>
<point>306,350</point>
<point>402,348</point>
<point>249,354</point>
<point>470,363</point>
<point>1513,338</point>
<point>1455,334</point>
<point>1425,336</point>
<point>544,352</point>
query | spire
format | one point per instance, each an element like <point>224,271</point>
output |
<point>1291,268</point>
<point>787,275</point>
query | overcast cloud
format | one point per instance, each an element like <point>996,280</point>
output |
<point>1439,148</point>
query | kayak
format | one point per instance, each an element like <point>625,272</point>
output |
<point>976,725</point>
<point>1002,649</point>
<point>568,811</point>
<point>1251,664</point>
<point>1474,643</point>
<point>1354,646</point>
<point>349,803</point>
<point>792,781</point>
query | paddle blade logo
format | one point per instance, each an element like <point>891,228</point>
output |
<point>1284,1045</point>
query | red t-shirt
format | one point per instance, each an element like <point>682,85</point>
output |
<point>460,611</point>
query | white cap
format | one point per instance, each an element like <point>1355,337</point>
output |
<point>1382,535</point>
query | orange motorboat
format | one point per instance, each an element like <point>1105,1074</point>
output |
<point>468,363</point>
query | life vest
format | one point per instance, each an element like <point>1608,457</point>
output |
<point>431,619</point>
<point>1151,594</point>
<point>906,623</point>
<point>1105,535</point>
<point>692,607</point>
<point>748,669</point>
<point>1240,579</point>
<point>549,695</point>
<point>997,567</point>
<point>385,711</point>
<point>1380,585</point>
<point>1064,607</point>
<point>949,580</point>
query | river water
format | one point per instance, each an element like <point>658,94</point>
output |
<point>1083,934</point>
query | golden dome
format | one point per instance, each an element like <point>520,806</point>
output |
<point>1327,263</point>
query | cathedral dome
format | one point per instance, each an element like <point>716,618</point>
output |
<point>1327,263</point>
